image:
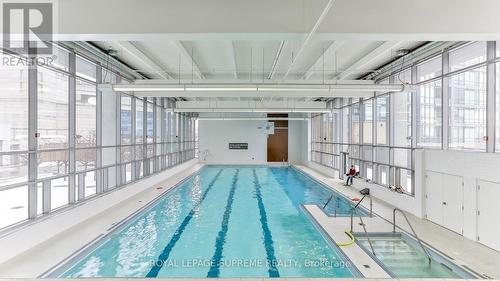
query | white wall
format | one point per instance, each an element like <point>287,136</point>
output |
<point>475,169</point>
<point>215,136</point>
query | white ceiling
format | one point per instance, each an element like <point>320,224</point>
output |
<point>252,61</point>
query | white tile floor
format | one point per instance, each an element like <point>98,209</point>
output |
<point>50,253</point>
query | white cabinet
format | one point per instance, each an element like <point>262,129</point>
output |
<point>488,226</point>
<point>444,200</point>
<point>434,197</point>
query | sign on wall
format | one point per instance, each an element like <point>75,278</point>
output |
<point>238,145</point>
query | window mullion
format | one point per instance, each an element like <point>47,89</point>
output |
<point>490,96</point>
<point>33,144</point>
<point>72,127</point>
<point>445,82</point>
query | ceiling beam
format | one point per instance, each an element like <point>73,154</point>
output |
<point>361,64</point>
<point>331,49</point>
<point>185,54</point>
<point>276,60</point>
<point>310,35</point>
<point>138,54</point>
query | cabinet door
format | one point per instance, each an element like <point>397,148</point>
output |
<point>453,196</point>
<point>488,222</point>
<point>434,197</point>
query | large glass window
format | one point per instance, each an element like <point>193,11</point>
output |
<point>429,69</point>
<point>401,126</point>
<point>126,119</point>
<point>53,165</point>
<point>85,114</point>
<point>150,123</point>
<point>383,120</point>
<point>468,55</point>
<point>86,69</point>
<point>13,205</point>
<point>355,118</point>
<point>13,108</point>
<point>52,109</point>
<point>368,121</point>
<point>345,125</point>
<point>139,117</point>
<point>430,114</point>
<point>430,105</point>
<point>468,110</point>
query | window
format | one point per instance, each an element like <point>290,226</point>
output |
<point>468,55</point>
<point>85,114</point>
<point>139,117</point>
<point>430,104</point>
<point>13,168</point>
<point>159,112</point>
<point>382,131</point>
<point>126,120</point>
<point>61,56</point>
<point>86,69</point>
<point>52,109</point>
<point>13,205</point>
<point>53,163</point>
<point>108,76</point>
<point>53,120</point>
<point>13,108</point>
<point>355,123</point>
<point>429,116</point>
<point>368,121</point>
<point>467,104</point>
<point>429,69</point>
<point>345,125</point>
<point>401,127</point>
<point>149,123</point>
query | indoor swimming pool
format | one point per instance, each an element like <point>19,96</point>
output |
<point>224,221</point>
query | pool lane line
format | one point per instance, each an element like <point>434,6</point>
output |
<point>268,238</point>
<point>221,237</point>
<point>163,257</point>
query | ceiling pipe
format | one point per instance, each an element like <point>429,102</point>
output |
<point>251,110</point>
<point>252,118</point>
<point>190,88</point>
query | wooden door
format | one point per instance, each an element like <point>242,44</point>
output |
<point>277,143</point>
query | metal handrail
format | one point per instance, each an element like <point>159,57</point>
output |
<point>413,231</point>
<point>366,235</point>
<point>353,209</point>
<point>328,201</point>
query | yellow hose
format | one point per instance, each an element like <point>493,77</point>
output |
<point>347,243</point>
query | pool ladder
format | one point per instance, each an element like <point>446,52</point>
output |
<point>412,230</point>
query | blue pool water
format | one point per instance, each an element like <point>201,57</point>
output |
<point>225,221</point>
